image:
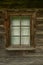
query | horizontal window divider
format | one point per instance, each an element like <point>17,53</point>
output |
<point>15,26</point>
<point>21,36</point>
<point>25,35</point>
<point>25,26</point>
<point>15,36</point>
<point>19,26</point>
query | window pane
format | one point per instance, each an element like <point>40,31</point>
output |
<point>18,32</point>
<point>25,30</point>
<point>15,21</point>
<point>25,41</point>
<point>25,20</point>
<point>15,40</point>
<point>15,31</point>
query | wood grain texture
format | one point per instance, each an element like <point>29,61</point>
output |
<point>22,57</point>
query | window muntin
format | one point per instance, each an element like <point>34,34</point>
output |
<point>20,30</point>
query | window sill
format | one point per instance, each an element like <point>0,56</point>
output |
<point>11,48</point>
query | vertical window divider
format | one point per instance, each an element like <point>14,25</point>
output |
<point>20,30</point>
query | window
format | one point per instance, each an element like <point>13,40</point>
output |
<point>19,32</point>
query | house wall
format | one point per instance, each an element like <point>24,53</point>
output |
<point>21,57</point>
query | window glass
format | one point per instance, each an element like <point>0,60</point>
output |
<point>25,20</point>
<point>25,30</point>
<point>15,21</point>
<point>15,31</point>
<point>25,41</point>
<point>15,40</point>
<point>20,30</point>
